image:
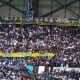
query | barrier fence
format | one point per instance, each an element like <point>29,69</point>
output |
<point>41,21</point>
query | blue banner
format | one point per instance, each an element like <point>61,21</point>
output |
<point>30,69</point>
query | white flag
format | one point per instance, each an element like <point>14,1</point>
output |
<point>41,69</point>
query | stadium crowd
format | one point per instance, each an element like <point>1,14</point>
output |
<point>16,69</point>
<point>63,41</point>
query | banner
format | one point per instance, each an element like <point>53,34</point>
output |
<point>36,54</point>
<point>30,69</point>
<point>22,54</point>
<point>1,54</point>
<point>40,21</point>
<point>17,54</point>
<point>27,54</point>
<point>7,55</point>
<point>41,69</point>
<point>50,55</point>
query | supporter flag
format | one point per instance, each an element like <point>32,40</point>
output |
<point>22,54</point>
<point>1,54</point>
<point>45,55</point>
<point>7,55</point>
<point>50,55</point>
<point>17,54</point>
<point>30,69</point>
<point>28,54</point>
<point>36,54</point>
<point>41,69</point>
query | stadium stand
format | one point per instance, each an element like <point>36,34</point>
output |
<point>63,41</point>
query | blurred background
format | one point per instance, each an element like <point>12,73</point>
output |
<point>44,8</point>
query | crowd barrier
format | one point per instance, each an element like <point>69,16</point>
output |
<point>41,69</point>
<point>26,54</point>
<point>41,21</point>
<point>66,68</point>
